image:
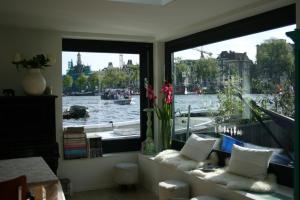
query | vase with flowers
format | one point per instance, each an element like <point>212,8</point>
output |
<point>163,112</point>
<point>33,81</point>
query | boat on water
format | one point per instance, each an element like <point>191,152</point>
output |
<point>76,112</point>
<point>119,96</point>
<point>125,101</point>
<point>90,93</point>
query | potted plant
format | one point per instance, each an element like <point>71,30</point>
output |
<point>34,82</point>
<point>163,112</point>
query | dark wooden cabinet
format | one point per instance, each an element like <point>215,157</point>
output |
<point>27,128</point>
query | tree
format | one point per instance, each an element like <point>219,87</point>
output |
<point>275,59</point>
<point>94,80</point>
<point>182,70</point>
<point>205,70</point>
<point>274,74</point>
<point>67,83</point>
<point>206,67</point>
<point>114,78</point>
<point>81,82</point>
<point>134,75</point>
<point>231,107</point>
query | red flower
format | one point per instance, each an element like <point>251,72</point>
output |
<point>167,89</point>
<point>168,99</point>
<point>150,93</point>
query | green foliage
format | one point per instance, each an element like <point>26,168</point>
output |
<point>38,61</point>
<point>114,78</point>
<point>275,57</point>
<point>198,72</point>
<point>206,68</point>
<point>231,106</point>
<point>134,75</point>
<point>67,82</point>
<point>182,69</point>
<point>285,100</point>
<point>81,81</point>
<point>94,80</point>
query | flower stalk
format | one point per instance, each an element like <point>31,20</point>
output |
<point>163,112</point>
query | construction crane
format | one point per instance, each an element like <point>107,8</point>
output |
<point>202,52</point>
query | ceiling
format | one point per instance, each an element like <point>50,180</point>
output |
<point>161,22</point>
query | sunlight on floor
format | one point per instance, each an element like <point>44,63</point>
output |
<point>115,194</point>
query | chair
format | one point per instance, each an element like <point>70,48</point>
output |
<point>14,189</point>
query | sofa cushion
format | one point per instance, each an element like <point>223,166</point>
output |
<point>252,163</point>
<point>197,148</point>
<point>173,158</point>
<point>237,182</point>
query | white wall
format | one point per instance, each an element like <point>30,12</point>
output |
<point>89,174</point>
<point>86,173</point>
<point>158,78</point>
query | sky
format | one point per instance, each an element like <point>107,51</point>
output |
<point>97,60</point>
<point>240,45</point>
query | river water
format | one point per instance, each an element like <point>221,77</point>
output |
<point>104,111</point>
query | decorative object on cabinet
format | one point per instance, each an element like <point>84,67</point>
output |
<point>8,92</point>
<point>33,81</point>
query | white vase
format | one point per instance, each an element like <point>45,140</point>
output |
<point>34,82</point>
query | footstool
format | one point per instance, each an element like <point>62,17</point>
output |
<point>126,173</point>
<point>169,189</point>
<point>205,198</point>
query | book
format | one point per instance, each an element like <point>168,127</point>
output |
<point>95,147</point>
<point>74,129</point>
<point>75,143</point>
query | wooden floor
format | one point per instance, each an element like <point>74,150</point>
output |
<point>115,194</point>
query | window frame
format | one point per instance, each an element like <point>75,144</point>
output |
<point>145,50</point>
<point>276,18</point>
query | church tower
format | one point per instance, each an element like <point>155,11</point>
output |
<point>121,62</point>
<point>79,62</point>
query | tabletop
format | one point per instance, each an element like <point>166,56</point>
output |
<point>34,168</point>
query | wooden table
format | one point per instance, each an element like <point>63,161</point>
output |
<point>35,169</point>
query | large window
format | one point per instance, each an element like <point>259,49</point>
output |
<point>217,88</point>
<point>101,90</point>
<point>237,81</point>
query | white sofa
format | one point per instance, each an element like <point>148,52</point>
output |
<point>152,172</point>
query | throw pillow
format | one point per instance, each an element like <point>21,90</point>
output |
<point>252,163</point>
<point>197,148</point>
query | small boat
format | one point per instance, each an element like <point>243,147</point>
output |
<point>124,101</point>
<point>119,96</point>
<point>76,112</point>
<point>114,94</point>
<point>109,96</point>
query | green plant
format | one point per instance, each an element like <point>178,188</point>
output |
<point>230,105</point>
<point>36,62</point>
<point>163,112</point>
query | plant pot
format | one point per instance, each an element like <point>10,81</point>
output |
<point>148,147</point>
<point>166,131</point>
<point>34,82</point>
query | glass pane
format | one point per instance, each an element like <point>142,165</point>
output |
<point>101,93</point>
<point>218,86</point>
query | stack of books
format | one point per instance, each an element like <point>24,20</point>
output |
<point>75,143</point>
<point>95,147</point>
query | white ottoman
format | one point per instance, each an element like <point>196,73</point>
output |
<point>169,189</point>
<point>126,173</point>
<point>205,198</point>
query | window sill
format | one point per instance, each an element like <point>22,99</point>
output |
<point>105,156</point>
